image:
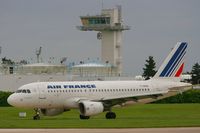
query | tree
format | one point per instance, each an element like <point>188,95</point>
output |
<point>196,73</point>
<point>7,61</point>
<point>149,69</point>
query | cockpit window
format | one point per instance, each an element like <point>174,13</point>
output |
<point>23,91</point>
<point>18,91</point>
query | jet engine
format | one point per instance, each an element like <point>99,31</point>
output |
<point>89,108</point>
<point>52,112</point>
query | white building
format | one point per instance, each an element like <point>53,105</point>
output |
<point>93,70</point>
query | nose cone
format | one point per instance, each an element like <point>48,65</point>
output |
<point>12,100</point>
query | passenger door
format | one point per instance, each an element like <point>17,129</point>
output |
<point>42,92</point>
<point>43,102</point>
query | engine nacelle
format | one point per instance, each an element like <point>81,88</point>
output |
<point>89,108</point>
<point>52,112</point>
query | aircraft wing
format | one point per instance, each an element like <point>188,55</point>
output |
<point>144,99</point>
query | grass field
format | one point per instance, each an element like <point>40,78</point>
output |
<point>148,115</point>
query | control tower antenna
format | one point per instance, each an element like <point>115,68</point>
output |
<point>38,53</point>
<point>101,4</point>
<point>109,27</point>
<point>0,50</point>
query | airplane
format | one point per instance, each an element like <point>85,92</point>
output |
<point>94,97</point>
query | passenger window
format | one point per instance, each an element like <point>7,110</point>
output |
<point>23,91</point>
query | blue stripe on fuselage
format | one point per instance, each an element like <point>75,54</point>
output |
<point>163,73</point>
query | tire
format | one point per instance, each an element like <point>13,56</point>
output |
<point>36,117</point>
<point>82,117</point>
<point>110,115</point>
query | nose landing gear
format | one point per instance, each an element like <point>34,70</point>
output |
<point>37,114</point>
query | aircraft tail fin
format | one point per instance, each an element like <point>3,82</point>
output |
<point>173,65</point>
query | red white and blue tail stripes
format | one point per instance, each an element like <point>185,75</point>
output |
<point>174,63</point>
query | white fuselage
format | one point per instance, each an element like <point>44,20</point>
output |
<point>68,94</point>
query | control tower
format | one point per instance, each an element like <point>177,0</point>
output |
<point>109,27</point>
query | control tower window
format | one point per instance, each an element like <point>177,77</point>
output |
<point>91,21</point>
<point>99,20</point>
<point>107,20</point>
<point>103,21</point>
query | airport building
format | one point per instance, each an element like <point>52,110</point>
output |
<point>92,70</point>
<point>42,68</point>
<point>14,76</point>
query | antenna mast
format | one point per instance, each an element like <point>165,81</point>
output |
<point>38,53</point>
<point>101,4</point>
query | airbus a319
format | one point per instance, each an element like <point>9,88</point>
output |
<point>94,97</point>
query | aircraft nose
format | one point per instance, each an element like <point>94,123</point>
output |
<point>12,100</point>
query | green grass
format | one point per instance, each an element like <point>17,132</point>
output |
<point>148,115</point>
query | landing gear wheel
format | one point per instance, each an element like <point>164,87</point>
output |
<point>37,114</point>
<point>110,115</point>
<point>82,117</point>
<point>36,117</point>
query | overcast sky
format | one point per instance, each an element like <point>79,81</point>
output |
<point>156,26</point>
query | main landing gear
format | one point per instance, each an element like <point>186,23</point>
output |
<point>110,115</point>
<point>82,117</point>
<point>37,114</point>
